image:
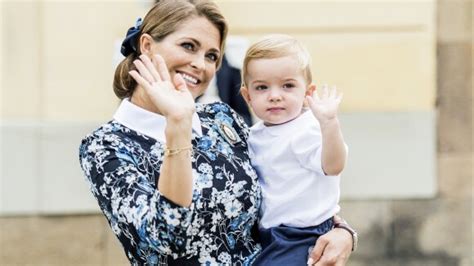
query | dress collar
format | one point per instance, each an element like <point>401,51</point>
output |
<point>146,122</point>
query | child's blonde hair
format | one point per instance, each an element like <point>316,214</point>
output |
<point>275,46</point>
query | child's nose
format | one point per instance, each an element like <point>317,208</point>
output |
<point>275,95</point>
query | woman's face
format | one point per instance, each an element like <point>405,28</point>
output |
<point>192,51</point>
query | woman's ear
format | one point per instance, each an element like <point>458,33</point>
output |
<point>245,93</point>
<point>146,44</point>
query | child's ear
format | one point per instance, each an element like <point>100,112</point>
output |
<point>309,92</point>
<point>245,93</point>
<point>146,44</point>
<point>311,89</point>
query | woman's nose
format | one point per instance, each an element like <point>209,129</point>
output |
<point>198,62</point>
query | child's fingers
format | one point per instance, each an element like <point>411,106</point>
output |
<point>339,97</point>
<point>325,91</point>
<point>333,92</point>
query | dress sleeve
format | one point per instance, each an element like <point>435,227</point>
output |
<point>130,200</point>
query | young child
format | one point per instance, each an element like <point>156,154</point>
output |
<point>299,154</point>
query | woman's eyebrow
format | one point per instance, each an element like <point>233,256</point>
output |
<point>198,43</point>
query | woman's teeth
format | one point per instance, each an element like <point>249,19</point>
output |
<point>189,78</point>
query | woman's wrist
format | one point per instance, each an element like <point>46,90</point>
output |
<point>178,132</point>
<point>342,224</point>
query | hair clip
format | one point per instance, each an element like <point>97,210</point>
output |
<point>130,41</point>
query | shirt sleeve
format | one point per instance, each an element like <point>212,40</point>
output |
<point>307,147</point>
<point>130,201</point>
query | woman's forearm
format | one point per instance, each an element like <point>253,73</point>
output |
<point>175,181</point>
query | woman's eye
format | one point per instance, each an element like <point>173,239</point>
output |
<point>213,57</point>
<point>188,46</point>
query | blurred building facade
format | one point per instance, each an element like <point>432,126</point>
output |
<point>405,68</point>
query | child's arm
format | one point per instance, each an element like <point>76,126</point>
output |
<point>324,108</point>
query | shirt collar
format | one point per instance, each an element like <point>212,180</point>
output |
<point>146,122</point>
<point>286,128</point>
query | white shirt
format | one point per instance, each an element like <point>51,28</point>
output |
<point>295,190</point>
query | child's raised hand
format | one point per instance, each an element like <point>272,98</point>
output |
<point>324,106</point>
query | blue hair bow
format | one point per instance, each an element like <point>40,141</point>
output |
<point>130,41</point>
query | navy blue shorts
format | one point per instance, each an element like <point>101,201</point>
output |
<point>283,245</point>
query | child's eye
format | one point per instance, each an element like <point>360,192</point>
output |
<point>213,57</point>
<point>188,46</point>
<point>260,87</point>
<point>288,86</point>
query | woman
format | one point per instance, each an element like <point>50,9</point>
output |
<point>174,178</point>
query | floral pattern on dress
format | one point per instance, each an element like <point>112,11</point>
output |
<point>122,166</point>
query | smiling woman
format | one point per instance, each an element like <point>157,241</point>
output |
<point>192,51</point>
<point>172,18</point>
<point>172,177</point>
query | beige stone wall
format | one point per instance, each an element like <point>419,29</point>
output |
<point>21,42</point>
<point>57,58</point>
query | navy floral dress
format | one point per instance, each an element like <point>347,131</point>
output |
<point>122,166</point>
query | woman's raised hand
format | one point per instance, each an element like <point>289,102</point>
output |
<point>169,94</point>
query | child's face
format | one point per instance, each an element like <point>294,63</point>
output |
<point>276,89</point>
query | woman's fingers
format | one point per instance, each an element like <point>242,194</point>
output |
<point>144,72</point>
<point>160,65</point>
<point>154,70</point>
<point>140,80</point>
<point>179,83</point>
<point>151,67</point>
<point>317,251</point>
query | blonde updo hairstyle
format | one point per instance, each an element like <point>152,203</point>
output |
<point>163,19</point>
